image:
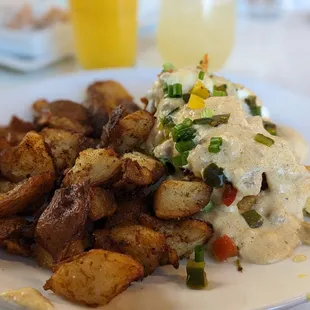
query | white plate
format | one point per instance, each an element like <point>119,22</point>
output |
<point>258,287</point>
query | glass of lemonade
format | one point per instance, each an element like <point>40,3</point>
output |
<point>190,28</point>
<point>105,32</point>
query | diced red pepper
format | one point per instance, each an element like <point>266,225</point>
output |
<point>229,195</point>
<point>223,248</point>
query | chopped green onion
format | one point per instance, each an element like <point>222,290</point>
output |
<point>270,127</point>
<point>253,219</point>
<point>199,254</point>
<point>207,113</point>
<point>167,121</point>
<point>177,90</point>
<point>168,66</point>
<point>218,93</point>
<point>263,140</point>
<point>220,90</point>
<point>170,91</point>
<point>214,176</point>
<point>168,165</point>
<point>174,110</point>
<point>180,160</point>
<point>208,208</point>
<point>238,265</point>
<point>215,144</point>
<point>256,111</point>
<point>201,75</point>
<point>184,131</point>
<point>165,88</point>
<point>186,97</point>
<point>214,121</point>
<point>183,146</point>
<point>196,275</point>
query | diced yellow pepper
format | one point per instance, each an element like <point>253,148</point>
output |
<point>200,90</point>
<point>195,102</point>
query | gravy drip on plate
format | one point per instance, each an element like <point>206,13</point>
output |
<point>244,162</point>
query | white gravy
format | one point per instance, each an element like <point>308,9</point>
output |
<point>244,161</point>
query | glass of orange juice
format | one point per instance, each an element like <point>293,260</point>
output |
<point>190,28</point>
<point>105,32</point>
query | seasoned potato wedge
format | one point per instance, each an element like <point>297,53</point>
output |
<point>94,278</point>
<point>104,96</point>
<point>177,199</point>
<point>42,257</point>
<point>24,193</point>
<point>65,146</point>
<point>10,226</point>
<point>102,203</point>
<point>63,221</point>
<point>246,203</point>
<point>17,247</point>
<point>182,235</point>
<point>29,158</point>
<point>131,131</point>
<point>95,166</point>
<point>145,245</point>
<point>102,240</point>
<point>127,213</point>
<point>139,170</point>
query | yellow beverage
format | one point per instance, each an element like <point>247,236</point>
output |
<point>190,28</point>
<point>105,32</point>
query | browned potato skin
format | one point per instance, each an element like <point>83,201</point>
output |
<point>94,278</point>
<point>102,240</point>
<point>102,203</point>
<point>63,221</point>
<point>10,226</point>
<point>182,235</point>
<point>17,247</point>
<point>65,146</point>
<point>246,203</point>
<point>178,199</point>
<point>95,166</point>
<point>131,131</point>
<point>139,170</point>
<point>127,213</point>
<point>145,245</point>
<point>29,158</point>
<point>24,193</point>
<point>6,185</point>
<point>42,257</point>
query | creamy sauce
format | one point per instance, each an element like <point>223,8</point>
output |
<point>29,298</point>
<point>244,161</point>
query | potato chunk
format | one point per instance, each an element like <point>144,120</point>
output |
<point>102,203</point>
<point>131,131</point>
<point>65,146</point>
<point>94,278</point>
<point>178,199</point>
<point>95,166</point>
<point>24,193</point>
<point>145,245</point>
<point>182,235</point>
<point>29,158</point>
<point>63,221</point>
<point>11,226</point>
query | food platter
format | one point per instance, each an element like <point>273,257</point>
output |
<point>258,287</point>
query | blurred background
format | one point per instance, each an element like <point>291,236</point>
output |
<point>264,39</point>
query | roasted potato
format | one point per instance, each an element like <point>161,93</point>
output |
<point>105,96</point>
<point>178,199</point>
<point>63,221</point>
<point>304,233</point>
<point>11,226</point>
<point>145,245</point>
<point>246,203</point>
<point>94,278</point>
<point>17,247</point>
<point>42,257</point>
<point>127,213</point>
<point>24,193</point>
<point>29,158</point>
<point>102,203</point>
<point>95,166</point>
<point>6,185</point>
<point>182,235</point>
<point>139,170</point>
<point>102,240</point>
<point>65,146</point>
<point>12,134</point>
<point>131,131</point>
